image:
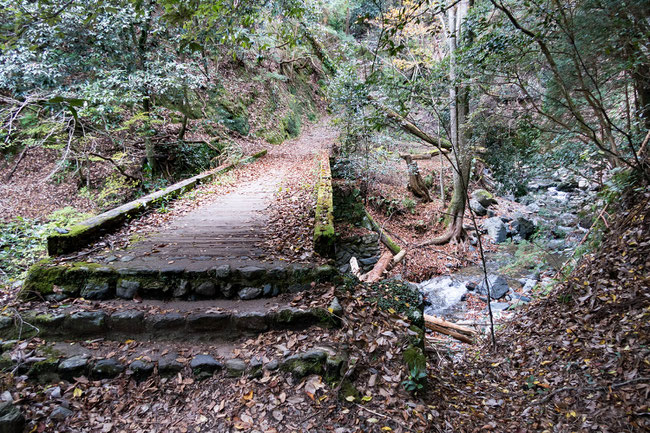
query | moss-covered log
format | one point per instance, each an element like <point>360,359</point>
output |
<point>324,221</point>
<point>383,236</point>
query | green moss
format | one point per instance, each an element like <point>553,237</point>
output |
<point>325,318</point>
<point>43,276</point>
<point>348,389</point>
<point>324,226</point>
<point>399,296</point>
<point>414,358</point>
<point>41,280</point>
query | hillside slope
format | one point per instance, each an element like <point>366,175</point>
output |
<point>576,360</point>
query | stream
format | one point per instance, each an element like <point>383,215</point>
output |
<point>553,206</point>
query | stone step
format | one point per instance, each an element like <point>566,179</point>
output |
<point>53,362</point>
<point>167,279</point>
<point>175,320</point>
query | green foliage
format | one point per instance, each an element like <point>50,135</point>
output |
<point>23,241</point>
<point>399,297</point>
<point>416,380</point>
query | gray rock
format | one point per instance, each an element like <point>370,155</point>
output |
<point>205,364</point>
<point>369,261</point>
<point>11,419</point>
<point>73,367</point>
<point>272,365</point>
<point>107,369</point>
<point>484,198</point>
<point>498,287</point>
<point>141,369</point>
<point>496,229</point>
<point>519,297</point>
<point>168,365</point>
<point>129,321</point>
<point>529,285</point>
<point>86,322</point>
<point>335,307</point>
<point>235,367</point>
<point>252,273</point>
<point>127,289</point>
<point>499,306</point>
<point>182,289</point>
<point>96,290</point>
<point>222,272</point>
<point>165,322</point>
<point>127,259</point>
<point>533,207</point>
<point>208,321</point>
<point>267,290</point>
<point>249,293</point>
<point>524,227</point>
<point>207,288</point>
<point>6,322</point>
<point>477,207</point>
<point>277,274</point>
<point>228,290</point>
<point>60,413</point>
<point>255,367</point>
<point>251,321</point>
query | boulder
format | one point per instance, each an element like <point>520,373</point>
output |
<point>235,367</point>
<point>86,322</point>
<point>107,369</point>
<point>141,369</point>
<point>250,293</point>
<point>496,229</point>
<point>204,366</point>
<point>208,321</point>
<point>477,208</point>
<point>165,322</point>
<point>484,198</point>
<point>207,289</point>
<point>96,291</point>
<point>498,287</point>
<point>127,321</point>
<point>11,419</point>
<point>524,227</point>
<point>168,365</point>
<point>73,367</point>
<point>127,289</point>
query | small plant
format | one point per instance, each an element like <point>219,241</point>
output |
<point>416,380</point>
<point>409,204</point>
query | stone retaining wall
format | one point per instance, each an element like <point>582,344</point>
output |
<point>99,282</point>
<point>142,324</point>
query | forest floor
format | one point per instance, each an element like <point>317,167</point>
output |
<point>576,359</point>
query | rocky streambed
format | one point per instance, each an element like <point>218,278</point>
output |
<point>536,235</point>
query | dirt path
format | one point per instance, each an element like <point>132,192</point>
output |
<point>241,225</point>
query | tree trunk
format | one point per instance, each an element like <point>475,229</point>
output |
<point>416,183</point>
<point>460,135</point>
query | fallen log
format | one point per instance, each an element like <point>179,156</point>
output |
<point>396,259</point>
<point>385,239</point>
<point>442,326</point>
<point>421,156</point>
<point>378,270</point>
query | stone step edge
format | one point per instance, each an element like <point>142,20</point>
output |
<point>98,282</point>
<point>86,232</point>
<point>327,361</point>
<point>134,323</point>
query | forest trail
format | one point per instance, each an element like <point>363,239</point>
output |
<point>231,229</point>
